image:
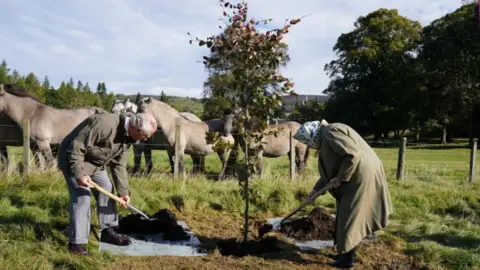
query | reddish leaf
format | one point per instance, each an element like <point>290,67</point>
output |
<point>295,21</point>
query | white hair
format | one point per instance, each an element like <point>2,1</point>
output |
<point>144,126</point>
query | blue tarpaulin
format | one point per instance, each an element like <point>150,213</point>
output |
<point>155,245</point>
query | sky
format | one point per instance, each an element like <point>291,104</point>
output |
<point>143,46</point>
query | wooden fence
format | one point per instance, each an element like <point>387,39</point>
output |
<point>399,168</point>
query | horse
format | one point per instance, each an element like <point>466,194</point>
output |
<point>48,125</point>
<point>274,146</point>
<point>192,139</point>
<point>155,142</point>
<point>118,106</point>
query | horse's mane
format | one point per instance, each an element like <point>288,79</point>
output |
<point>19,91</point>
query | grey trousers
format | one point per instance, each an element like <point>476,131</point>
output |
<point>80,207</point>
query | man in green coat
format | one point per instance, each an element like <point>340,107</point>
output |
<point>360,185</point>
<point>99,141</point>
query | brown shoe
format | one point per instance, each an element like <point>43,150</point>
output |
<point>77,249</point>
<point>112,237</point>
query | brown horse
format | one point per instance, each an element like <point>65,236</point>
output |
<point>274,146</point>
<point>48,125</point>
<point>192,140</point>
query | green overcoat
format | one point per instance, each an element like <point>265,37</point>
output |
<point>363,199</point>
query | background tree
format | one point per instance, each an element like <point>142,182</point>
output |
<point>450,55</point>
<point>371,66</point>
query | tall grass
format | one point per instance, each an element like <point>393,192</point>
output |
<point>435,220</point>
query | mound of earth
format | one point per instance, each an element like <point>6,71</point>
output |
<point>318,225</point>
<point>164,221</point>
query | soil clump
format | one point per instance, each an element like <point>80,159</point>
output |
<point>164,221</point>
<point>318,225</point>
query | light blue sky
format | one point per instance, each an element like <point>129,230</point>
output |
<point>142,46</point>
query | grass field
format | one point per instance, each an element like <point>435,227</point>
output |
<point>435,224</point>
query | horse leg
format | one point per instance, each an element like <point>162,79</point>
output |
<point>231,160</point>
<point>137,157</point>
<point>224,157</point>
<point>36,154</point>
<point>44,147</point>
<point>196,160</point>
<point>258,158</point>
<point>147,152</point>
<point>171,160</point>
<point>4,156</point>
<point>300,159</point>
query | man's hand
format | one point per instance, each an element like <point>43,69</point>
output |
<point>126,198</point>
<point>336,182</point>
<point>84,181</point>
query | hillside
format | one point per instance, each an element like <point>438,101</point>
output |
<point>289,100</point>
<point>195,106</point>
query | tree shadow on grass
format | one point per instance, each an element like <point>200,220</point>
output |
<point>444,239</point>
<point>464,242</point>
<point>54,230</point>
<point>268,249</point>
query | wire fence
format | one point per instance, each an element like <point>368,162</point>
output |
<point>406,160</point>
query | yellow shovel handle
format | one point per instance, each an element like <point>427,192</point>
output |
<point>109,194</point>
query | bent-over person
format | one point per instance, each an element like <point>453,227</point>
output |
<point>100,141</point>
<point>360,185</point>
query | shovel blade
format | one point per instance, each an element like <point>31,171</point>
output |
<point>131,207</point>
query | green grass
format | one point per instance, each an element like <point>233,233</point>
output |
<point>435,221</point>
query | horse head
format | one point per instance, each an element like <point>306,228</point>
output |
<point>143,103</point>
<point>130,106</point>
<point>118,106</point>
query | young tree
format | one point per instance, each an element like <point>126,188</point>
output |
<point>253,58</point>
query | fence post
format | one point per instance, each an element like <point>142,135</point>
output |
<point>401,158</point>
<point>176,161</point>
<point>292,156</point>
<point>26,147</point>
<point>473,154</point>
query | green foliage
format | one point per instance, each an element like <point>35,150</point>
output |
<point>310,111</point>
<point>372,69</point>
<point>67,95</point>
<point>251,59</point>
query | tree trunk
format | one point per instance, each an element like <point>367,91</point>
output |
<point>470,131</point>
<point>385,135</point>
<point>449,135</point>
<point>444,135</point>
<point>376,136</point>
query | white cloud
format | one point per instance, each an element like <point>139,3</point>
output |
<point>142,46</point>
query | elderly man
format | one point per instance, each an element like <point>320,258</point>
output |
<point>99,141</point>
<point>360,185</point>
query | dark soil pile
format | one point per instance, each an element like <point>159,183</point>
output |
<point>318,225</point>
<point>235,248</point>
<point>164,221</point>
